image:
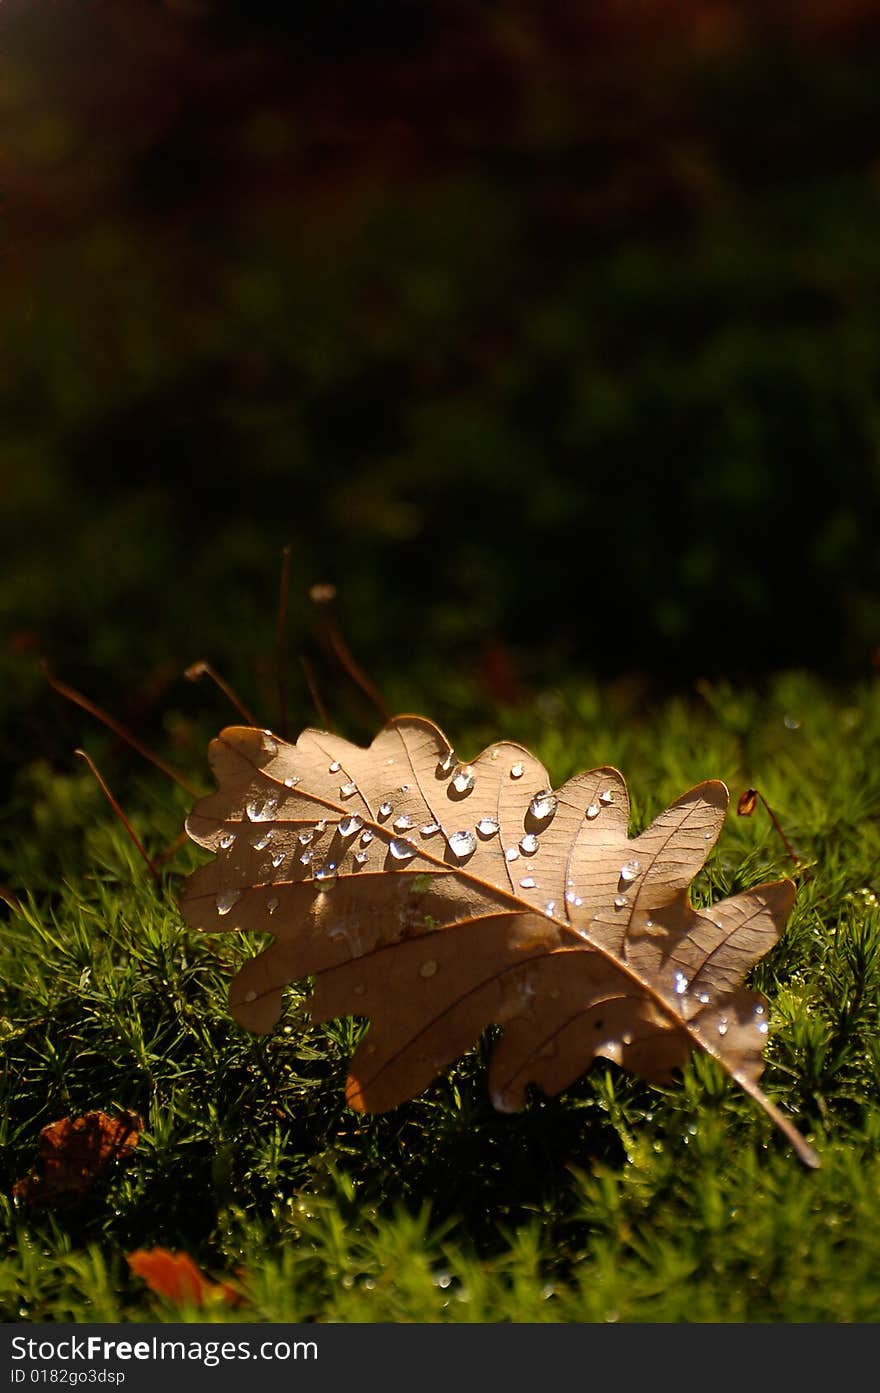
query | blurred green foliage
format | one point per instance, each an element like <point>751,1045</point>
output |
<point>551,335</point>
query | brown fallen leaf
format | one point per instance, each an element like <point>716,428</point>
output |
<point>177,1278</point>
<point>436,897</point>
<point>74,1153</point>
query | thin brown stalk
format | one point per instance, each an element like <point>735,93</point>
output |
<point>746,807</point>
<point>281,645</point>
<point>776,823</point>
<point>171,850</point>
<point>314,693</point>
<point>12,900</point>
<point>204,669</point>
<point>323,597</point>
<point>120,814</point>
<point>70,694</point>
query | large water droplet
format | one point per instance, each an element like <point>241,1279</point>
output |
<point>629,870</point>
<point>517,771</point>
<point>291,781</point>
<point>361,857</point>
<point>401,849</point>
<point>326,874</point>
<point>226,899</point>
<point>385,809</point>
<point>592,811</point>
<point>464,779</point>
<point>306,858</point>
<point>226,840</point>
<point>403,823</point>
<point>430,828</point>
<point>703,998</point>
<point>260,843</point>
<point>277,859</point>
<point>543,805</point>
<point>511,854</point>
<point>462,844</point>
<point>447,763</point>
<point>366,838</point>
<point>320,826</point>
<point>487,826</point>
<point>335,767</point>
<point>346,790</point>
<point>428,968</point>
<point>606,797</point>
<point>269,745</point>
<point>529,844</point>
<point>305,836</point>
<point>349,825</point>
<point>680,983</point>
<point>528,882</point>
<point>620,901</point>
<point>262,811</point>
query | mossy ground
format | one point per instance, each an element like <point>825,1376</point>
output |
<point>616,1201</point>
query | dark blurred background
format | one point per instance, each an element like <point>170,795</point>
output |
<point>548,333</point>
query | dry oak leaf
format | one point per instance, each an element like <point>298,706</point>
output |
<point>74,1153</point>
<point>436,898</point>
<point>177,1278</point>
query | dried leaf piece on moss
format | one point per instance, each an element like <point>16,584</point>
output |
<point>74,1153</point>
<point>436,898</point>
<point>176,1277</point>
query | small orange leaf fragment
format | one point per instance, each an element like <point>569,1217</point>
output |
<point>74,1153</point>
<point>176,1277</point>
<point>748,802</point>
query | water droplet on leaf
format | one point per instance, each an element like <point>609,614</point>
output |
<point>464,779</point>
<point>543,805</point>
<point>462,844</point>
